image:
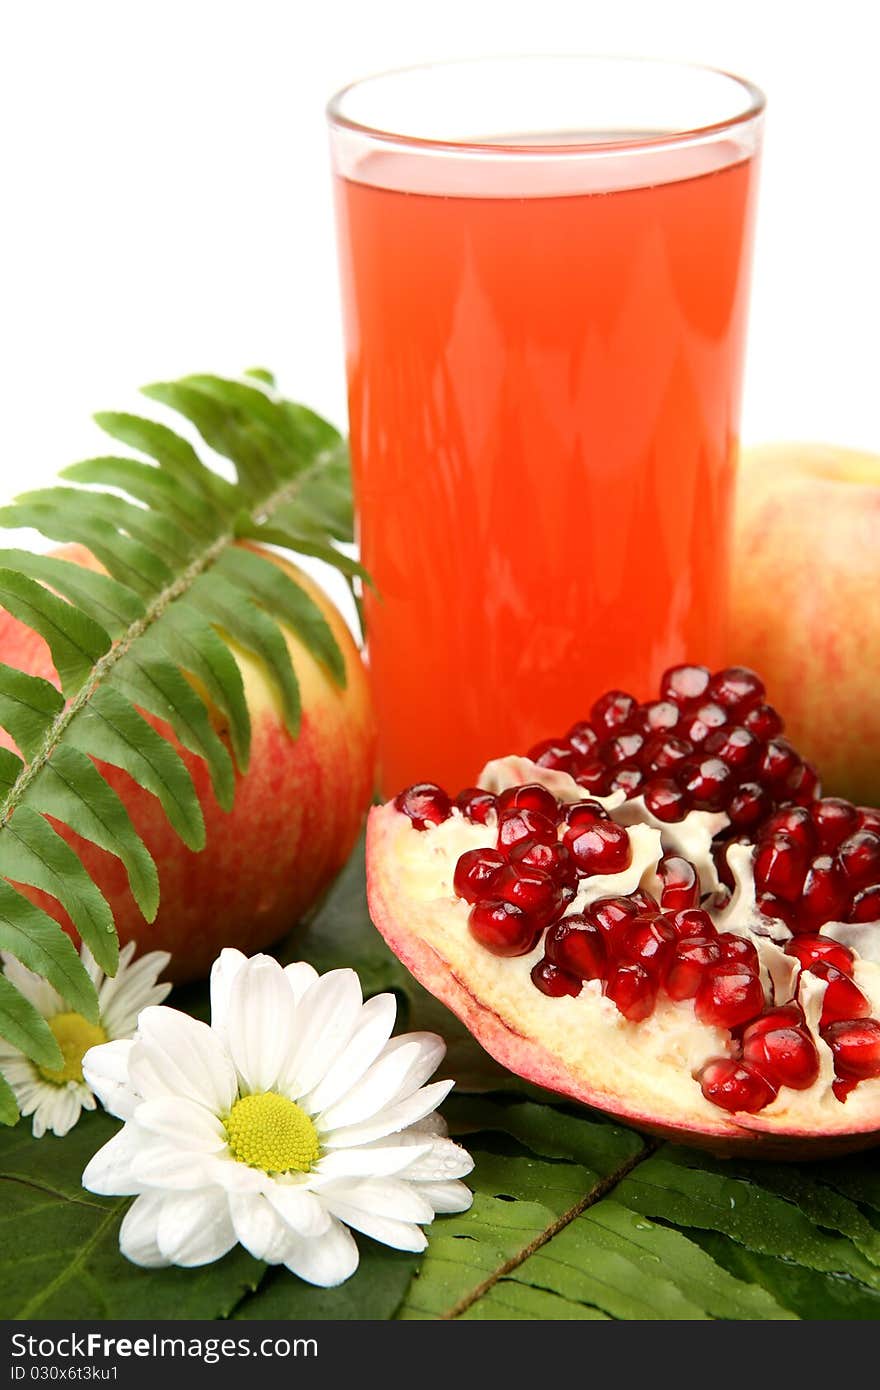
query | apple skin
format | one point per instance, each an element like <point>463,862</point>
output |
<point>805,590</point>
<point>297,813</point>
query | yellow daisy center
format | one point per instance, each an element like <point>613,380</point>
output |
<point>74,1035</point>
<point>269,1131</point>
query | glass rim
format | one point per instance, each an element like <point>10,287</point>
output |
<point>754,105</point>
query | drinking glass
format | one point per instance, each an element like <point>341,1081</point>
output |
<point>545,271</point>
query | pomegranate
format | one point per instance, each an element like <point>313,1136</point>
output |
<point>658,914</point>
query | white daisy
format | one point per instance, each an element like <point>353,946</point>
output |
<point>56,1098</point>
<point>292,1117</point>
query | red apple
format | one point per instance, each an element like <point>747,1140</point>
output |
<point>297,812</point>
<point>805,589</point>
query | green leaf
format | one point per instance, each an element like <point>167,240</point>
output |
<point>59,1255</point>
<point>28,707</point>
<point>71,789</point>
<point>188,639</point>
<point>125,559</point>
<point>113,605</point>
<point>33,853</point>
<point>8,1103</point>
<point>111,729</point>
<point>25,1028</point>
<point>149,485</point>
<point>75,640</point>
<point>174,455</point>
<point>286,601</point>
<point>35,939</point>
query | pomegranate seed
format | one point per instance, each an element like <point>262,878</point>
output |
<point>737,688</point>
<point>708,782</point>
<point>735,1086</point>
<point>704,721</point>
<point>503,928</point>
<point>859,857</point>
<point>681,684</point>
<point>611,916</point>
<point>622,749</point>
<point>785,1016</point>
<point>738,949</point>
<point>628,778</point>
<point>531,889</point>
<point>842,1088</point>
<point>692,923</point>
<point>749,805</point>
<point>554,859</point>
<point>475,804</point>
<point>585,813</point>
<point>583,739</point>
<point>555,754</point>
<point>577,946</point>
<point>633,990</point>
<point>658,717</point>
<point>476,874</point>
<point>803,785</point>
<point>825,897</point>
<point>795,822</point>
<point>691,959</point>
<point>780,867</point>
<point>843,998</point>
<point>425,804</point>
<point>777,763</point>
<point>734,746</point>
<point>869,819</point>
<point>530,796</point>
<point>594,777</point>
<point>809,949</point>
<point>777,910</point>
<point>666,800</point>
<point>601,848</point>
<point>645,902</point>
<point>680,883</point>
<point>549,979</point>
<point>855,1043</point>
<point>648,941</point>
<point>866,905</point>
<point>664,751</point>
<point>612,712</point>
<point>522,824</point>
<point>834,819</point>
<point>729,994</point>
<point>764,722</point>
<point>786,1056</point>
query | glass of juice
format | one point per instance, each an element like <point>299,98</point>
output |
<point>545,271</point>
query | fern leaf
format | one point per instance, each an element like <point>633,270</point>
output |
<point>32,852</point>
<point>157,633</point>
<point>8,1103</point>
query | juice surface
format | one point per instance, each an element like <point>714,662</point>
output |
<point>544,398</point>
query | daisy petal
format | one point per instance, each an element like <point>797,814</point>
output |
<point>175,1055</point>
<point>446,1197</point>
<point>109,1171</point>
<point>400,1201</point>
<point>133,988</point>
<point>184,1122</point>
<point>404,1064</point>
<point>44,998</point>
<point>105,1069</point>
<point>369,1162</point>
<point>325,1260</point>
<point>260,1023</point>
<point>137,1234</point>
<point>223,972</point>
<point>299,1208</point>
<point>370,1036</point>
<point>160,1163</point>
<point>326,1018</point>
<point>259,1227</point>
<point>300,976</point>
<point>58,1109</point>
<point>391,1120</point>
<point>194,1228</point>
<point>442,1162</point>
<point>400,1235</point>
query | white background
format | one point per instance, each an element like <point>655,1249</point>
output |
<point>166,198</point>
